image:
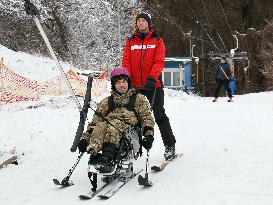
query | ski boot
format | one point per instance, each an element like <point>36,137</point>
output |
<point>169,153</point>
<point>105,164</point>
<point>94,158</point>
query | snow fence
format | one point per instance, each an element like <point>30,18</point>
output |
<point>16,88</point>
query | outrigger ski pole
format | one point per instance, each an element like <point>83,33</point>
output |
<point>144,181</point>
<point>65,182</point>
<point>31,10</point>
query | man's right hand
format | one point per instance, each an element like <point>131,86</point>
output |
<point>147,142</point>
<point>82,146</point>
<point>150,84</point>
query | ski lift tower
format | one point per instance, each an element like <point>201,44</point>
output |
<point>196,59</point>
<point>238,56</point>
<point>232,56</point>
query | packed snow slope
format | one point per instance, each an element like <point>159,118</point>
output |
<point>228,155</point>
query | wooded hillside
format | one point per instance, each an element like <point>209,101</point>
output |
<point>87,34</point>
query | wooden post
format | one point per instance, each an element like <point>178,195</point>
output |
<point>232,68</point>
<point>197,73</point>
<point>134,19</point>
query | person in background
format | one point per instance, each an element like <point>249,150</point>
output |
<point>222,75</point>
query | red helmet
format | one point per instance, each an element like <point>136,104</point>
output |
<point>119,71</point>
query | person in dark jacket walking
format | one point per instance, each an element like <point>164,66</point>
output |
<point>144,57</point>
<point>222,75</point>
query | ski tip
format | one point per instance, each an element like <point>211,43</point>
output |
<point>103,197</point>
<point>140,180</point>
<point>56,182</point>
<point>63,184</point>
<point>175,157</point>
<point>179,155</point>
<point>148,184</point>
<point>162,166</point>
<point>84,197</point>
<point>144,182</point>
<point>155,168</point>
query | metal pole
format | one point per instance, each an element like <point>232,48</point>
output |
<point>31,10</point>
<point>197,73</point>
<point>36,20</point>
<point>119,32</point>
<point>190,44</point>
<point>190,52</point>
<point>196,59</point>
<point>202,44</point>
<point>232,53</point>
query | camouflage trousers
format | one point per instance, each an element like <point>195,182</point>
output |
<point>104,132</point>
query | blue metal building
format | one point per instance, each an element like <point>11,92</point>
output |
<point>177,73</point>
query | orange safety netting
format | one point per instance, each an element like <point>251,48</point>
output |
<point>15,88</point>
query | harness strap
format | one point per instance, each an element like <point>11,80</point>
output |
<point>129,106</point>
<point>224,73</point>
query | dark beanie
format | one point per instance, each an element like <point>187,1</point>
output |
<point>146,16</point>
<point>224,58</point>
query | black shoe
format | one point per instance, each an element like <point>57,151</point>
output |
<point>93,160</point>
<point>230,100</point>
<point>214,100</point>
<point>105,165</point>
<point>169,153</point>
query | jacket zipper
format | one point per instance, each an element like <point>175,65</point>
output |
<point>141,63</point>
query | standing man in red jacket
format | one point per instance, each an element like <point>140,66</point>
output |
<point>144,57</point>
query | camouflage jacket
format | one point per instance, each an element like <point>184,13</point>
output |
<point>142,108</point>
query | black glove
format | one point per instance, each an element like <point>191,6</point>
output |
<point>82,146</point>
<point>150,84</point>
<point>147,142</point>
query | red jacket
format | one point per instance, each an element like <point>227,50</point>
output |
<point>144,58</point>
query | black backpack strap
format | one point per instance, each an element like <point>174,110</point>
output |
<point>131,106</point>
<point>111,104</point>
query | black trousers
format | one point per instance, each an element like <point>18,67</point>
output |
<point>219,84</point>
<point>160,116</point>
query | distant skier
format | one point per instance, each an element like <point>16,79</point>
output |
<point>222,75</point>
<point>144,57</point>
<point>104,135</point>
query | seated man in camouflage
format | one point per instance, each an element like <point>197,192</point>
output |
<point>111,122</point>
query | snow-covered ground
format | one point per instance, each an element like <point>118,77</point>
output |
<point>228,155</point>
